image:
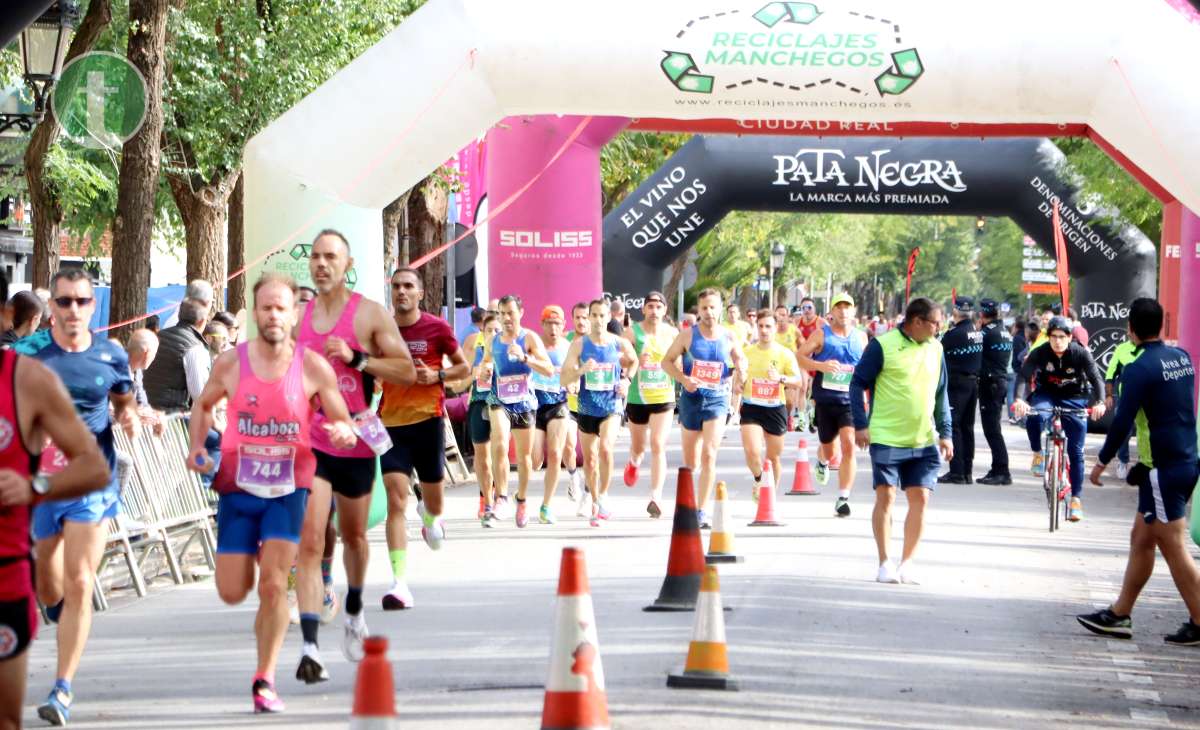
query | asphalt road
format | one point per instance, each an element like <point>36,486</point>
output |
<point>988,640</point>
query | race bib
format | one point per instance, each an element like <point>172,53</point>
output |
<point>266,471</point>
<point>603,379</point>
<point>708,372</point>
<point>371,430</point>
<point>839,382</point>
<point>653,382</point>
<point>764,392</point>
<point>512,388</point>
<point>548,383</point>
<point>53,460</point>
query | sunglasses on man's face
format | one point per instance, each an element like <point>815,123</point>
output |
<point>65,302</point>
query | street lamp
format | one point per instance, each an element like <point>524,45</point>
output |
<point>777,254</point>
<point>43,47</point>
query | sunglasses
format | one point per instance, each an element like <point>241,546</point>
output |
<point>65,302</point>
<point>808,308</point>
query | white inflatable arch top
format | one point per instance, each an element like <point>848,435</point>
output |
<point>456,67</point>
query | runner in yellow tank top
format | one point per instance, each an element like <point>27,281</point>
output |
<point>771,367</point>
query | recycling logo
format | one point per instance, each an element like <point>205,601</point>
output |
<point>793,47</point>
<point>295,264</point>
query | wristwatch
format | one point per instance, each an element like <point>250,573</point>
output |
<point>441,376</point>
<point>362,362</point>
<point>40,484</point>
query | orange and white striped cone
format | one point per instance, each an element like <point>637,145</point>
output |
<point>575,695</point>
<point>707,665</point>
<point>802,481</point>
<point>720,540</point>
<point>374,691</point>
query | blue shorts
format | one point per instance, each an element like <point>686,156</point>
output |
<point>896,467</point>
<point>244,521</point>
<point>90,509</point>
<point>1163,493</point>
<point>696,408</point>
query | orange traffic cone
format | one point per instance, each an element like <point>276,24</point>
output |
<point>766,503</point>
<point>575,690</point>
<point>802,482</point>
<point>685,562</point>
<point>720,541</point>
<point>374,692</point>
<point>707,665</point>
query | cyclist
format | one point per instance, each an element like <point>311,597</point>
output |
<point>1066,377</point>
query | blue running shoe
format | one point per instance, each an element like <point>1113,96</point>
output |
<point>57,708</point>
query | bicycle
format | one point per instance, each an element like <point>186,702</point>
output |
<point>1055,480</point>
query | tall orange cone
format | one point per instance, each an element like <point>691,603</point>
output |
<point>575,695</point>
<point>720,540</point>
<point>707,665</point>
<point>766,502</point>
<point>802,482</point>
<point>685,562</point>
<point>374,691</point>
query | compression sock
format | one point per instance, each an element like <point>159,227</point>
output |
<point>399,562</point>
<point>309,623</point>
<point>327,571</point>
<point>354,600</point>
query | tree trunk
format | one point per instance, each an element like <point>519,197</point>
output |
<point>672,292</point>
<point>204,223</point>
<point>138,180</point>
<point>427,226</point>
<point>47,212</point>
<point>393,216</point>
<point>237,245</point>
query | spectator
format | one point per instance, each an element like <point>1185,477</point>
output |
<point>143,348</point>
<point>1078,332</point>
<point>1020,345</point>
<point>180,371</point>
<point>153,324</point>
<point>616,325</point>
<point>200,291</point>
<point>230,323</point>
<point>217,337</point>
<point>477,315</point>
<point>25,311</point>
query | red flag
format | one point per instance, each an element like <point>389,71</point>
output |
<point>1060,255</point>
<point>912,266</point>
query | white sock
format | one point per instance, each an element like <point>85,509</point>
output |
<point>844,493</point>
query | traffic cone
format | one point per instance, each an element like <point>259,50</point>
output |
<point>685,562</point>
<point>374,692</point>
<point>766,503</point>
<point>707,665</point>
<point>802,482</point>
<point>575,689</point>
<point>720,541</point>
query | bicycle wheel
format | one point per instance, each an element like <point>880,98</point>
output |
<point>1051,479</point>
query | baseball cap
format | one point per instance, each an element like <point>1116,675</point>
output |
<point>964,304</point>
<point>990,307</point>
<point>842,298</point>
<point>656,296</point>
<point>553,310</point>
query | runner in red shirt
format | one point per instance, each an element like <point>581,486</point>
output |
<point>807,323</point>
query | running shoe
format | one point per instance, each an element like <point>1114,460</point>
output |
<point>311,669</point>
<point>489,519</point>
<point>398,597</point>
<point>1122,470</point>
<point>907,575</point>
<point>1187,635</point>
<point>573,480</point>
<point>57,708</point>
<point>810,417</point>
<point>603,512</point>
<point>702,518</point>
<point>841,507</point>
<point>585,504</point>
<point>631,474</point>
<point>822,472</point>
<point>545,516</point>
<point>265,697</point>
<point>887,573</point>
<point>433,534</point>
<point>1075,510</point>
<point>653,510</point>
<point>522,518</point>
<point>353,636</point>
<point>1038,466</point>
<point>329,606</point>
<point>500,508</point>
<point>1107,623</point>
<point>293,608</point>
<point>594,520</point>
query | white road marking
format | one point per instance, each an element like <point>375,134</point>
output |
<point>1142,695</point>
<point>1134,678</point>
<point>1150,716</point>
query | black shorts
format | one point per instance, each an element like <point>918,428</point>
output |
<point>831,418</point>
<point>350,476</point>
<point>773,419</point>
<point>517,420</point>
<point>420,446</point>
<point>639,413</point>
<point>478,426</point>
<point>591,424</point>
<point>548,413</point>
<point>18,624</point>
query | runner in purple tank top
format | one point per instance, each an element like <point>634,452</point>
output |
<point>361,342</point>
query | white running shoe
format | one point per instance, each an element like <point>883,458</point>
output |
<point>887,573</point>
<point>585,504</point>
<point>329,606</point>
<point>352,638</point>
<point>1122,470</point>
<point>573,485</point>
<point>907,574</point>
<point>434,534</point>
<point>293,608</point>
<point>398,598</point>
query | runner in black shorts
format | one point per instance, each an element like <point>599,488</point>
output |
<point>651,398</point>
<point>479,427</point>
<point>771,367</point>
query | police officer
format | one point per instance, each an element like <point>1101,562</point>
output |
<point>993,388</point>
<point>963,347</point>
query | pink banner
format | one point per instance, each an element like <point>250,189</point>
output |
<point>470,162</point>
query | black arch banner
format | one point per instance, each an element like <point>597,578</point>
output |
<point>1111,264</point>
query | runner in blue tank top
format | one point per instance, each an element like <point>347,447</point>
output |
<point>516,354</point>
<point>603,363</point>
<point>553,419</point>
<point>701,359</point>
<point>833,351</point>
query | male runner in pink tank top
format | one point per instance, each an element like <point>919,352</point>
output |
<point>361,342</point>
<point>267,463</point>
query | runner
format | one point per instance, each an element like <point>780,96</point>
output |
<point>69,534</point>
<point>832,352</point>
<point>267,463</point>
<point>733,319</point>
<point>806,324</point>
<point>770,367</point>
<point>516,354</point>
<point>601,363</point>
<point>550,436</point>
<point>361,342</point>
<point>479,426</point>
<point>34,406</point>
<point>576,488</point>
<point>414,416</point>
<point>651,397</point>
<point>709,355</point>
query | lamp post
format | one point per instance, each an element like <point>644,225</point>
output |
<point>760,285</point>
<point>43,47</point>
<point>777,254</point>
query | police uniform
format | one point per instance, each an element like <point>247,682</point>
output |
<point>993,389</point>
<point>963,348</point>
